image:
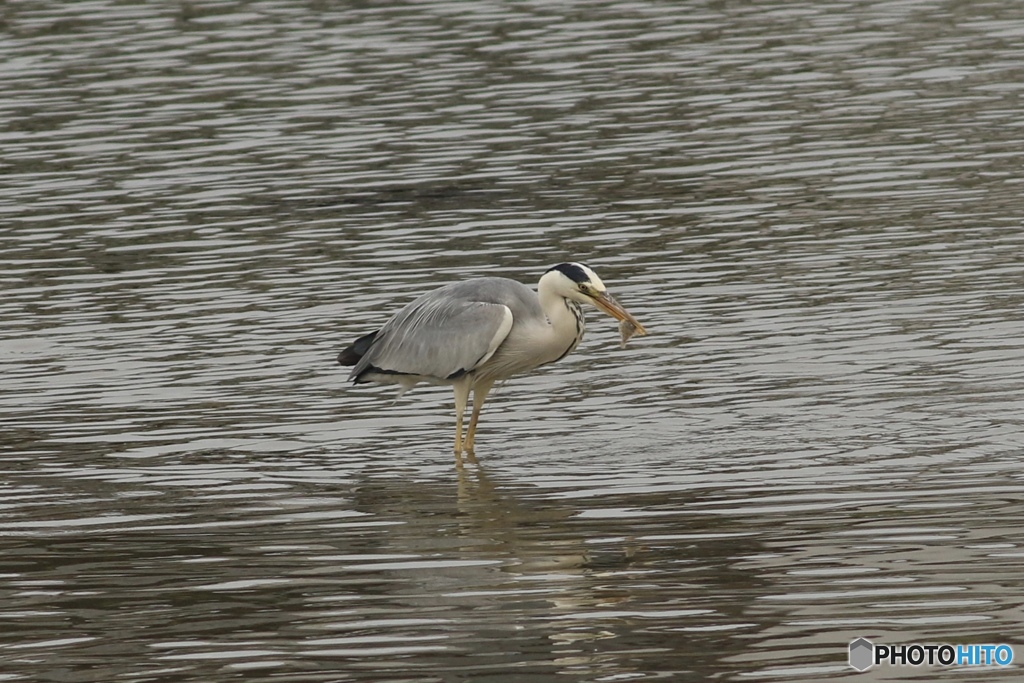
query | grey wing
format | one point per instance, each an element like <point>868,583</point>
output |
<point>436,338</point>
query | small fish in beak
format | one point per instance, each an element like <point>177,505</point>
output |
<point>627,329</point>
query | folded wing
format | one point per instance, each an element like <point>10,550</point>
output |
<point>435,338</point>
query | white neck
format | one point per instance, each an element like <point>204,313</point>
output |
<point>566,326</point>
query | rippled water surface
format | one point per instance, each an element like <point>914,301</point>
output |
<point>814,207</point>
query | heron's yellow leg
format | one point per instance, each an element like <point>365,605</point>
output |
<point>480,392</point>
<point>461,389</point>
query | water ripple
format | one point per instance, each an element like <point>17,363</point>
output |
<point>812,207</point>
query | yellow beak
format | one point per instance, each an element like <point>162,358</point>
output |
<point>609,305</point>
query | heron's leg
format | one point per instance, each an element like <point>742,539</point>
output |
<point>461,387</point>
<point>480,392</point>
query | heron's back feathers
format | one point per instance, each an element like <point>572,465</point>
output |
<point>444,334</point>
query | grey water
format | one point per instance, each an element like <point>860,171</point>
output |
<point>814,207</point>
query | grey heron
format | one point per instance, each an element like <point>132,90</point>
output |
<point>474,333</point>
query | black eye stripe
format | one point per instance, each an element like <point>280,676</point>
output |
<point>573,272</point>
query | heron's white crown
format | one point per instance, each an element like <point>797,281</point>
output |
<point>574,281</point>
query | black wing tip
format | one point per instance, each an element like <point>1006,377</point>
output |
<point>351,355</point>
<point>362,378</point>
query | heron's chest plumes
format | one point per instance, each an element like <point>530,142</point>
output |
<point>579,327</point>
<point>538,342</point>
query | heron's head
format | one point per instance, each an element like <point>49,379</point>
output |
<point>577,282</point>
